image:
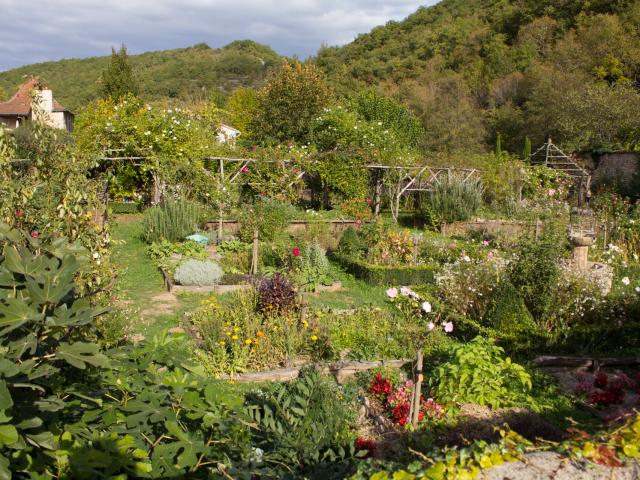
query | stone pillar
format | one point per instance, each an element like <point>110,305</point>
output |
<point>581,246</point>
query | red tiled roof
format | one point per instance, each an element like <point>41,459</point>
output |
<point>20,103</point>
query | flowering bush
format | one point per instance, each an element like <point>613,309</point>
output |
<point>396,400</point>
<point>395,247</point>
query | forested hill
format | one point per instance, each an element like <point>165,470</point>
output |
<point>473,68</point>
<point>186,73</point>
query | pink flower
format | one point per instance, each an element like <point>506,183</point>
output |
<point>448,327</point>
<point>19,213</point>
<point>485,243</point>
<point>35,235</point>
<point>392,292</point>
<point>551,192</point>
<point>244,169</point>
<point>254,148</point>
<point>369,201</point>
<point>358,221</point>
<point>296,171</point>
<point>295,252</point>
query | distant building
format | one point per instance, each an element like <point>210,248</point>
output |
<point>227,134</point>
<point>20,107</point>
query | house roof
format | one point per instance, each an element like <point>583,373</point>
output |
<point>20,103</point>
<point>229,127</point>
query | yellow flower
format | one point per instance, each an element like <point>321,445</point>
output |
<point>314,338</point>
<point>256,342</point>
<point>260,333</point>
<point>253,351</point>
<point>235,337</point>
<point>228,333</point>
<point>236,329</point>
<point>248,341</point>
<point>221,343</point>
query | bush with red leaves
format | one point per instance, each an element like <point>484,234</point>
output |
<point>600,381</point>
<point>611,396</point>
<point>276,295</point>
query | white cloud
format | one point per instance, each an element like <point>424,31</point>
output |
<point>40,30</point>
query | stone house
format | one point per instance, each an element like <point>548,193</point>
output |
<point>21,107</point>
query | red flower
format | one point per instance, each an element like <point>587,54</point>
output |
<point>366,444</point>
<point>254,148</point>
<point>601,380</point>
<point>295,252</point>
<point>244,169</point>
<point>296,171</point>
<point>19,213</point>
<point>380,387</point>
<point>369,201</point>
<point>35,234</point>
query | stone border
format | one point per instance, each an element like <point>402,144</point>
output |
<point>340,370</point>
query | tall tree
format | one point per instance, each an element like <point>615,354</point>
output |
<point>118,79</point>
<point>289,101</point>
<point>3,94</point>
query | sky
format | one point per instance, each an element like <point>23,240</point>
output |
<point>39,30</point>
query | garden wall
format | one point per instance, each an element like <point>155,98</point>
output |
<point>614,168</point>
<point>295,226</point>
<point>506,227</point>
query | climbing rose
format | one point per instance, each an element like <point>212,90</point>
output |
<point>392,292</point>
<point>295,252</point>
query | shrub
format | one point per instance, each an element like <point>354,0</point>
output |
<point>173,221</point>
<point>455,199</point>
<point>198,272</point>
<point>478,373</point>
<point>268,216</point>
<point>535,272</point>
<point>351,244</point>
<point>276,295</point>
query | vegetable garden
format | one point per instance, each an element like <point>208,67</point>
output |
<point>133,318</point>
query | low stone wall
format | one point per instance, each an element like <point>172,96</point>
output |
<point>508,227</point>
<point>617,168</point>
<point>295,226</point>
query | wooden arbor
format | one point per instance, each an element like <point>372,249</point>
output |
<point>405,180</point>
<point>551,156</point>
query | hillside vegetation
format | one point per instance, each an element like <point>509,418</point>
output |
<point>474,68</point>
<point>185,74</point>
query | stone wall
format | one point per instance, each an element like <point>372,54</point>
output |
<point>615,168</point>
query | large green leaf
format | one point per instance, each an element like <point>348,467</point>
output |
<point>80,353</point>
<point>6,401</point>
<point>14,312</point>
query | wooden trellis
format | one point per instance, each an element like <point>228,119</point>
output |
<point>552,156</point>
<point>411,179</point>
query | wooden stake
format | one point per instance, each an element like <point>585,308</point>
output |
<point>254,253</point>
<point>417,391</point>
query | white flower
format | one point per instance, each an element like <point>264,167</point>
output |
<point>466,258</point>
<point>426,307</point>
<point>431,326</point>
<point>626,280</point>
<point>392,293</point>
<point>637,289</point>
<point>96,255</point>
<point>405,291</point>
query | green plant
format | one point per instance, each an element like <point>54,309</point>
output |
<point>42,343</point>
<point>455,198</point>
<point>351,245</point>
<point>388,275</point>
<point>173,221</point>
<point>198,272</point>
<point>233,246</point>
<point>314,268</point>
<point>478,373</point>
<point>267,216</point>
<point>304,424</point>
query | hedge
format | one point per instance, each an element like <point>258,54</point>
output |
<point>125,207</point>
<point>385,275</point>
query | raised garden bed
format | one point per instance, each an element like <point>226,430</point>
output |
<point>387,275</point>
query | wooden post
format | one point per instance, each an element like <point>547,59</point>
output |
<point>303,307</point>
<point>416,242</point>
<point>254,253</point>
<point>219,239</point>
<point>417,391</point>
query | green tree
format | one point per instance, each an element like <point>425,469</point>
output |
<point>289,101</point>
<point>243,106</point>
<point>118,79</point>
<point>3,94</point>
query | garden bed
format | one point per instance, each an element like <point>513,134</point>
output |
<point>387,275</point>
